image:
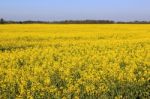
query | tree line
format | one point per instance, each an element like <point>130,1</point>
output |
<point>2,21</point>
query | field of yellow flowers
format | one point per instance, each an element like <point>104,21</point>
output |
<point>58,61</point>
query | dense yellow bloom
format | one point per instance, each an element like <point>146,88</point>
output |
<point>74,61</point>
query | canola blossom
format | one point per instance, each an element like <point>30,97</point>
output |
<point>39,61</point>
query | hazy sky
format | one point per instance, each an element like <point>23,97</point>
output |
<point>125,10</point>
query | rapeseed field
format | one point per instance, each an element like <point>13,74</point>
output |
<point>57,61</point>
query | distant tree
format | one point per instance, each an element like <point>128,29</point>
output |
<point>2,21</point>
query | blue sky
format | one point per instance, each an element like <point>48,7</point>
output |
<point>124,10</point>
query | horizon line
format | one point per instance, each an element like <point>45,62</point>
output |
<point>75,20</point>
